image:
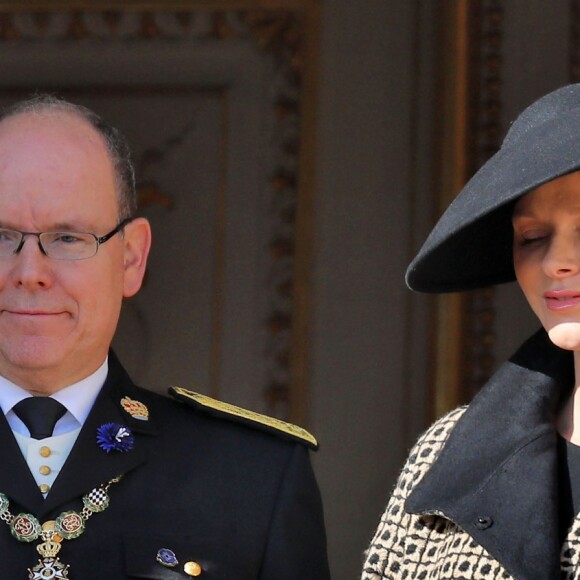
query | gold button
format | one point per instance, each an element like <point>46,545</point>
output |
<point>44,487</point>
<point>45,451</point>
<point>45,470</point>
<point>192,569</point>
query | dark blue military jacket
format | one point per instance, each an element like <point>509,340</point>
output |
<point>239,502</point>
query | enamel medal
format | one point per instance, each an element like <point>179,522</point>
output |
<point>48,568</point>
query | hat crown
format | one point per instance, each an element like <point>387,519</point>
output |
<point>471,244</point>
<point>543,111</point>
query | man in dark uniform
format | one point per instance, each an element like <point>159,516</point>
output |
<point>99,478</point>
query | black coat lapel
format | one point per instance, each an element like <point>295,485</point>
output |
<point>496,477</point>
<point>88,466</point>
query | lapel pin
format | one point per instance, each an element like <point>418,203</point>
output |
<point>167,558</point>
<point>115,437</point>
<point>136,409</point>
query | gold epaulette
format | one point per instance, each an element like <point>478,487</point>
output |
<point>228,411</point>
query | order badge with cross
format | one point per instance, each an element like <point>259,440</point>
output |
<point>48,569</point>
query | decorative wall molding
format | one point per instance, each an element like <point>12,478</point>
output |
<point>470,90</point>
<point>277,31</point>
<point>575,41</point>
<point>488,131</point>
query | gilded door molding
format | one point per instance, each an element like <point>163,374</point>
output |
<point>288,30</point>
<point>470,83</point>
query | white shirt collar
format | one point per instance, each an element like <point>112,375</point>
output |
<point>77,398</point>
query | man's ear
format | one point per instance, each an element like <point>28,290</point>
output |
<point>137,242</point>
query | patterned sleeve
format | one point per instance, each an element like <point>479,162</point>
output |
<point>385,555</point>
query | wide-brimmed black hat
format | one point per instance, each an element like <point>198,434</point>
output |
<point>471,245</point>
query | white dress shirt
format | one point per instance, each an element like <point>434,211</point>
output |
<point>45,457</point>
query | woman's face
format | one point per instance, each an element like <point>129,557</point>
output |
<point>546,252</point>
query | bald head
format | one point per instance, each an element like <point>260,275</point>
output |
<point>115,142</point>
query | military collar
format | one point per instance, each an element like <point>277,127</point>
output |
<point>496,476</point>
<point>87,465</point>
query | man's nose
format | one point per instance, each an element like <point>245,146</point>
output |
<point>31,265</point>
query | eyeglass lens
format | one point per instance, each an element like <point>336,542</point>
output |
<point>56,245</point>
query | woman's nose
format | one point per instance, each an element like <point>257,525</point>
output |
<point>562,257</point>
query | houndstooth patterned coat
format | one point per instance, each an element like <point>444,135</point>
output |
<point>478,497</point>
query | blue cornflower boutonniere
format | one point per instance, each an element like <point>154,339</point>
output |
<point>167,557</point>
<point>115,437</point>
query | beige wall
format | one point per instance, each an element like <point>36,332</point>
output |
<point>370,333</point>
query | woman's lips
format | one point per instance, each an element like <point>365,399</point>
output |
<point>562,299</point>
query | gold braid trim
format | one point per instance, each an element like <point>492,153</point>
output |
<point>239,414</point>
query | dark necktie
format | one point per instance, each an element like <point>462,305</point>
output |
<point>40,415</point>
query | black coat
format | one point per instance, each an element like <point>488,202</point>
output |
<point>497,476</point>
<point>479,495</point>
<point>241,502</point>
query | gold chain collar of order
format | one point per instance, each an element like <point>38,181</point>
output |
<point>67,526</point>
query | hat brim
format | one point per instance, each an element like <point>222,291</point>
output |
<point>471,245</point>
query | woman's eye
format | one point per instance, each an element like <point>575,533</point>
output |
<point>529,234</point>
<point>530,239</point>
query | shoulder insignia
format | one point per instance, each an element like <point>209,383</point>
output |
<point>240,415</point>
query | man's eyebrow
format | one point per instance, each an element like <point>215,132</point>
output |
<point>68,226</point>
<point>57,227</point>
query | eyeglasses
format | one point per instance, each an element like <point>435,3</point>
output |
<point>57,245</point>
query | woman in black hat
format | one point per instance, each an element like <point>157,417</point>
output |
<point>493,490</point>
